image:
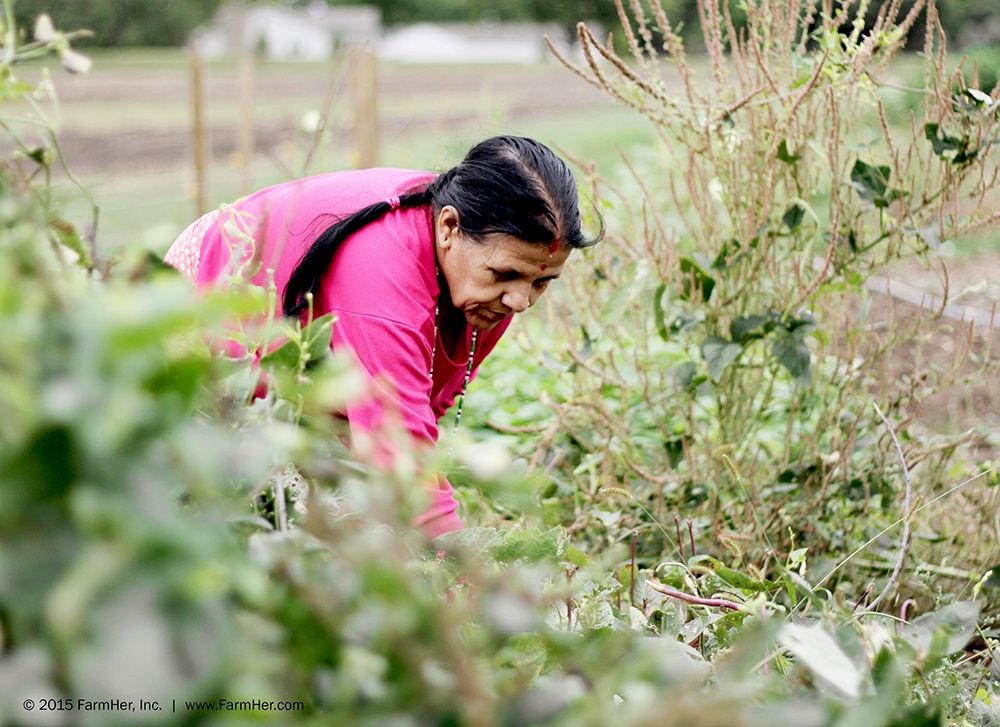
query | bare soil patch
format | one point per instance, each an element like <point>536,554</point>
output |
<point>412,100</point>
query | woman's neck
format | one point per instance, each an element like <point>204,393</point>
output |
<point>451,322</point>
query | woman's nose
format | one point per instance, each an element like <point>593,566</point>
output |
<point>517,299</point>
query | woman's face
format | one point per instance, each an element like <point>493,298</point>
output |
<point>492,278</point>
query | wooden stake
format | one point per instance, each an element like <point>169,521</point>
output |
<point>198,132</point>
<point>246,147</point>
<point>366,127</point>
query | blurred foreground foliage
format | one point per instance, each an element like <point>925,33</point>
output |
<point>133,565</point>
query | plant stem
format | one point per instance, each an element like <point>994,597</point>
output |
<point>907,497</point>
<point>697,600</point>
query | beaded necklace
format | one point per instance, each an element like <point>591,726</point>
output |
<point>394,203</point>
<point>468,366</point>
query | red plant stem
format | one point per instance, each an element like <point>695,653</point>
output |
<point>680,541</point>
<point>697,600</point>
<point>691,533</point>
<point>861,600</point>
<point>902,612</point>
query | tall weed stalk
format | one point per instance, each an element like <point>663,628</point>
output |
<point>733,315</point>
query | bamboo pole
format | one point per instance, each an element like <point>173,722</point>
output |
<point>198,132</point>
<point>366,126</point>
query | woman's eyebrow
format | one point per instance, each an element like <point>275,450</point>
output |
<point>511,271</point>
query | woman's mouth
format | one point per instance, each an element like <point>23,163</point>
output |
<point>487,316</point>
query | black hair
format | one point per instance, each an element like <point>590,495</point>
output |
<point>507,184</point>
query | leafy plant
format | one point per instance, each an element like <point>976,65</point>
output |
<point>735,316</point>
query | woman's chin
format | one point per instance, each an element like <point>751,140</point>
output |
<point>484,320</point>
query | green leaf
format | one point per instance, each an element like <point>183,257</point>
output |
<point>576,556</point>
<point>614,309</point>
<point>473,542</point>
<point>819,652</point>
<point>731,253</point>
<point>12,89</point>
<point>793,353</point>
<point>68,235</point>
<point>42,156</point>
<point>317,336</point>
<point>940,144</point>
<point>931,234</point>
<point>949,147</point>
<point>718,354</point>
<point>872,184</point>
<point>742,580</point>
<point>953,626</point>
<point>532,546</point>
<point>684,375</point>
<point>623,295</point>
<point>311,343</point>
<point>588,344</point>
<point>872,181</point>
<point>695,278</point>
<point>793,216</point>
<point>684,323</point>
<point>977,97</point>
<point>153,264</point>
<point>786,156</point>
<point>886,671</point>
<point>747,328</point>
<point>852,241</point>
<point>674,449</point>
<point>803,325</point>
<point>184,377</point>
<point>919,715</point>
<point>659,315</point>
<point>285,357</point>
<point>39,475</point>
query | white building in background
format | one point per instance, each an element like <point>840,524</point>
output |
<point>471,43</point>
<point>282,33</point>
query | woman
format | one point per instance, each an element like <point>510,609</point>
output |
<point>423,272</point>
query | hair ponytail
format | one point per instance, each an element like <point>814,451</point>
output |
<point>309,271</point>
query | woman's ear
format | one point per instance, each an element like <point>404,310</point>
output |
<point>447,226</point>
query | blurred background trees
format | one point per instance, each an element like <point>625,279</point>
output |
<point>117,23</point>
<point>168,22</point>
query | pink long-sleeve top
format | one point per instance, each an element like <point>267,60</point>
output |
<point>382,287</point>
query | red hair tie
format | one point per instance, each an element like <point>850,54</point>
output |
<point>393,202</point>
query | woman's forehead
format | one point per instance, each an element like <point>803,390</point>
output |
<point>513,250</point>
